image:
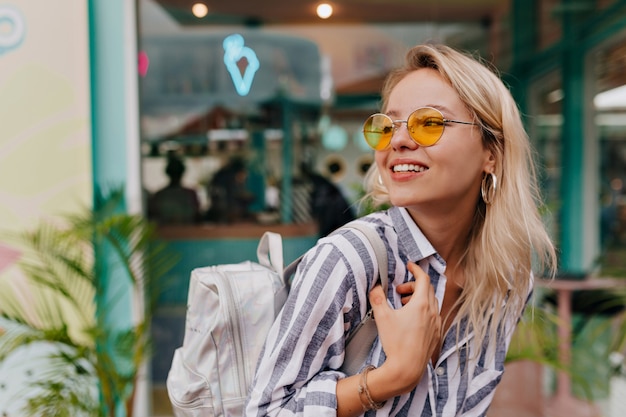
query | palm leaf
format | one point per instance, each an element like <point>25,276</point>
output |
<point>535,337</point>
<point>66,387</point>
<point>63,300</point>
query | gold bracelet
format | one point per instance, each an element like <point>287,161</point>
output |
<point>370,404</point>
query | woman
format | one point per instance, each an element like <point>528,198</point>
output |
<point>454,162</point>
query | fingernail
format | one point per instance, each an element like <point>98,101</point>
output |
<point>377,299</point>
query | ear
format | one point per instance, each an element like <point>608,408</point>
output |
<point>490,162</point>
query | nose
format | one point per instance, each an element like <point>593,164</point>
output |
<point>401,137</point>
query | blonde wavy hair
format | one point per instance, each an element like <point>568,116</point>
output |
<point>508,238</point>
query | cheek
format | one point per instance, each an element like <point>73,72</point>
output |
<point>463,152</point>
<point>461,167</point>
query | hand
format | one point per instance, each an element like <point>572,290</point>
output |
<point>410,334</point>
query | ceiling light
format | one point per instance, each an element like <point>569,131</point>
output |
<point>611,99</point>
<point>199,10</point>
<point>324,10</point>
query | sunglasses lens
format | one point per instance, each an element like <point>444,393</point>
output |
<point>426,126</point>
<point>377,130</point>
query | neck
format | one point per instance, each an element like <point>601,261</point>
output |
<point>446,231</point>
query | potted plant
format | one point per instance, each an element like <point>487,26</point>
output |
<point>63,305</point>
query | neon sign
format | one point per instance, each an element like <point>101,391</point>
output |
<point>12,29</point>
<point>241,63</point>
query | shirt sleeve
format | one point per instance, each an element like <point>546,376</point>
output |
<point>297,371</point>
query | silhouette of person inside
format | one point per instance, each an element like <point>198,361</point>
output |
<point>329,207</point>
<point>175,203</point>
<point>230,198</point>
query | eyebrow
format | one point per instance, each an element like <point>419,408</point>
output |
<point>443,109</point>
<point>392,114</point>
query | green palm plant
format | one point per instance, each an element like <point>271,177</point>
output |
<point>70,266</point>
<point>535,338</point>
<point>598,328</point>
<point>617,346</point>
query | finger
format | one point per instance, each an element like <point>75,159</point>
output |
<point>405,290</point>
<point>422,286</point>
<point>378,301</point>
<point>432,300</point>
<point>422,280</point>
<point>417,272</point>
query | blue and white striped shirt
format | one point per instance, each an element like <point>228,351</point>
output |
<point>297,371</point>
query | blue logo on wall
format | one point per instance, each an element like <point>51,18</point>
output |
<point>12,29</point>
<point>241,63</point>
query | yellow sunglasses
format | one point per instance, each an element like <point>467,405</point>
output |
<point>425,126</point>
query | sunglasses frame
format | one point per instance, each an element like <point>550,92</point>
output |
<point>395,125</point>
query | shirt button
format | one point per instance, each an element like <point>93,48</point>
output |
<point>440,371</point>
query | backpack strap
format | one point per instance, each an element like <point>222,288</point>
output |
<point>291,269</point>
<point>270,251</point>
<point>380,250</point>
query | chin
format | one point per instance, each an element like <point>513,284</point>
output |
<point>402,201</point>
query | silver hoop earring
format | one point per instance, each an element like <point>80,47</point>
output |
<point>488,188</point>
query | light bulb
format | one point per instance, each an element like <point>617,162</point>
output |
<point>199,10</point>
<point>324,10</point>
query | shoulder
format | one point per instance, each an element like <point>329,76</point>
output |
<point>359,243</point>
<point>348,257</point>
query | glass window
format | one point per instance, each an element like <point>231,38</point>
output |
<point>275,102</point>
<point>610,120</point>
<point>545,130</point>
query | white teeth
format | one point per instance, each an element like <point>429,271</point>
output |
<point>409,167</point>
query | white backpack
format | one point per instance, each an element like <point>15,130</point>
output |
<point>230,309</point>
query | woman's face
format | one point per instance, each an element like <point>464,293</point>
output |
<point>445,176</point>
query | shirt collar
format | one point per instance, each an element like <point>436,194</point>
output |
<point>413,243</point>
<point>411,239</point>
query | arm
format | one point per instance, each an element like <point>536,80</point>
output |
<point>297,372</point>
<point>409,335</point>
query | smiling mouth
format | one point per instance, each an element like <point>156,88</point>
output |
<point>409,168</point>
